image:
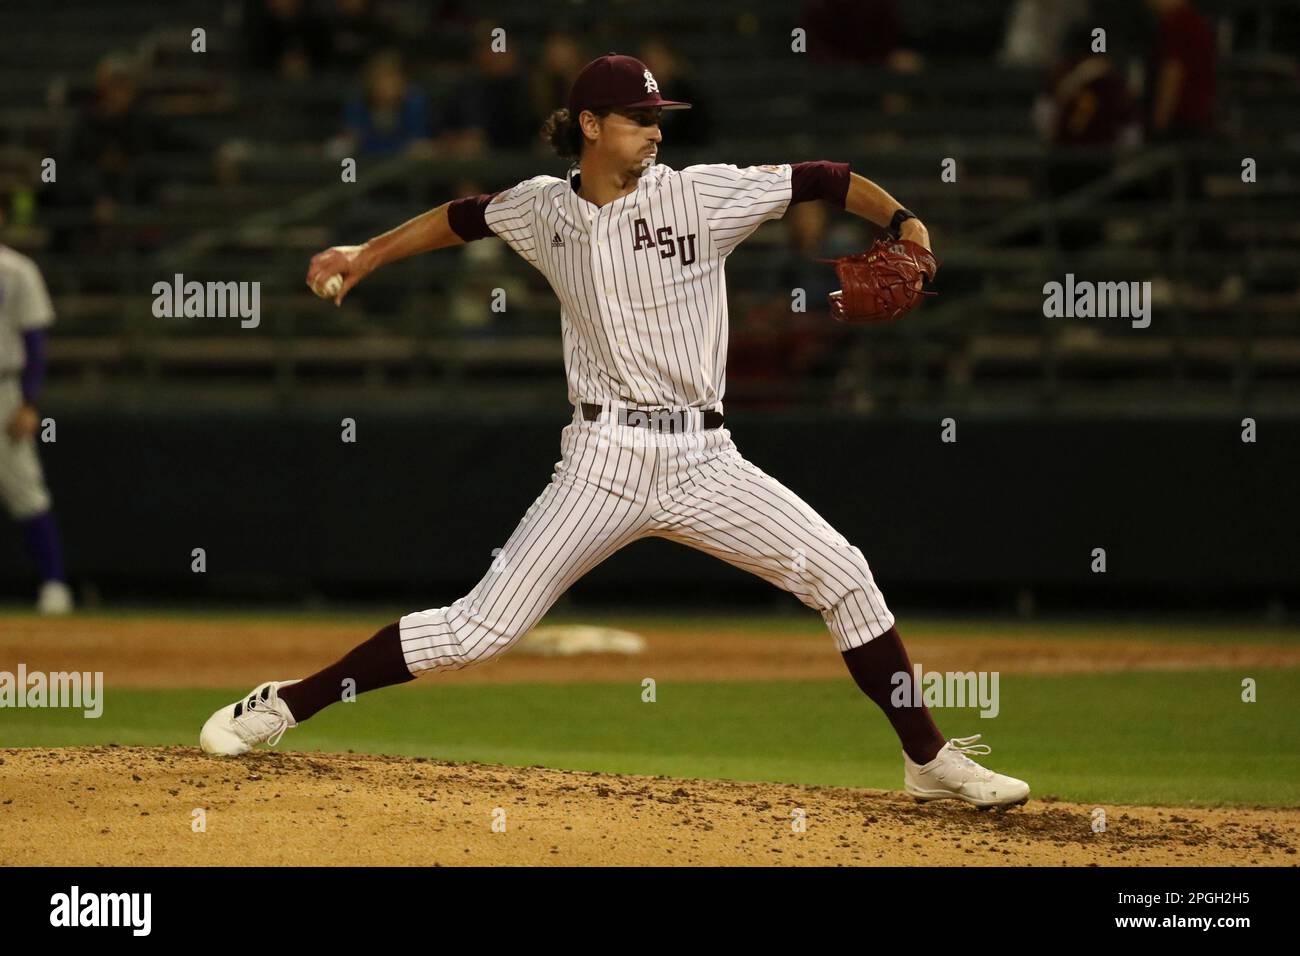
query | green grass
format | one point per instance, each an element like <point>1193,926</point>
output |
<point>1178,738</point>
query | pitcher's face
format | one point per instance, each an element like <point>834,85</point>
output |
<point>629,139</point>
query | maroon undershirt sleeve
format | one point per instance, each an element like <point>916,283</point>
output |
<point>465,216</point>
<point>820,179</point>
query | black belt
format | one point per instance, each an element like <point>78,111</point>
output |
<point>661,419</point>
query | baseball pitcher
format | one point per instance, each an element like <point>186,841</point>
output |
<point>635,252</point>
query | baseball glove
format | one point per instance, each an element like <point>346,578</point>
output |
<point>882,283</point>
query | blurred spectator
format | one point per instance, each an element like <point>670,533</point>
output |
<point>806,225</point>
<point>1090,101</point>
<point>490,107</point>
<point>860,31</point>
<point>1037,31</point>
<point>1180,73</point>
<point>1088,109</point>
<point>390,115</point>
<point>356,33</point>
<point>558,66</point>
<point>857,31</point>
<point>1180,108</point>
<point>112,133</point>
<point>285,37</point>
<point>692,127</point>
<point>111,129</point>
<point>768,356</point>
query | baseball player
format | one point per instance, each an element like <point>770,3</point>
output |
<point>635,252</point>
<point>25,314</point>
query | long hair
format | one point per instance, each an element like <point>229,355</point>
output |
<point>564,133</point>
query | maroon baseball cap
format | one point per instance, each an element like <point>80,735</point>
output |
<point>617,81</point>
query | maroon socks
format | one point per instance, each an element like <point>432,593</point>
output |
<point>376,663</point>
<point>379,663</point>
<point>873,666</point>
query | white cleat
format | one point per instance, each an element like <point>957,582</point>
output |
<point>952,775</point>
<point>55,599</point>
<point>260,718</point>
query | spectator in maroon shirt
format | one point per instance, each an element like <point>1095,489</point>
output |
<point>1181,72</point>
<point>856,31</point>
<point>775,355</point>
<point>1090,102</point>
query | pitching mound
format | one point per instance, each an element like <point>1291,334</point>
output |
<point>141,806</point>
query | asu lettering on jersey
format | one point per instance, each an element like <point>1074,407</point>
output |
<point>664,238</point>
<point>641,283</point>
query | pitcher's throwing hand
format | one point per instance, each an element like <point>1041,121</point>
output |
<point>342,262</point>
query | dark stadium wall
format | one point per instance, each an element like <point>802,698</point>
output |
<point>284,508</point>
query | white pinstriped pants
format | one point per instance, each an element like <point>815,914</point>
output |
<point>615,484</point>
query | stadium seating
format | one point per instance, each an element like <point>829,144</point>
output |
<point>247,188</point>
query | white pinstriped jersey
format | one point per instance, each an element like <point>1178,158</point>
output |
<point>643,294</point>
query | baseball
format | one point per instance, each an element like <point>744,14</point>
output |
<point>331,287</point>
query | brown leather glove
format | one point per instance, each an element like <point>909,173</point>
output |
<point>882,283</point>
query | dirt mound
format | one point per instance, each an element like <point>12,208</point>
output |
<point>139,806</point>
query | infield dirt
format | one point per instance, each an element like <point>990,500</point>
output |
<point>136,806</point>
<point>153,652</point>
